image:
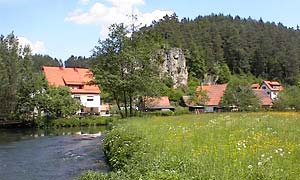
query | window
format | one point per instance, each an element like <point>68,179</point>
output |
<point>264,87</point>
<point>90,98</point>
<point>77,97</point>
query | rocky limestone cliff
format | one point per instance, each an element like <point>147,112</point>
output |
<point>173,64</point>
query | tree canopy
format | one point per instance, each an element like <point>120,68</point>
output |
<point>215,44</point>
<point>124,66</point>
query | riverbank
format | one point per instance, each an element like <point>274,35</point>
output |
<point>206,146</point>
<point>75,121</point>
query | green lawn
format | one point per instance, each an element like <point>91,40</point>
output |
<point>206,146</point>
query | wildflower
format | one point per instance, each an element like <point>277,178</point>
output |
<point>259,163</point>
<point>250,166</point>
<point>263,155</point>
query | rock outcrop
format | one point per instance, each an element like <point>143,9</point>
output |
<point>173,64</point>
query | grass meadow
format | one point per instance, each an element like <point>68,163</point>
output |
<point>263,145</point>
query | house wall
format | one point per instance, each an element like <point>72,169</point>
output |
<point>272,94</point>
<point>89,100</point>
<point>209,108</point>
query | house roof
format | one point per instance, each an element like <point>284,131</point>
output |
<point>60,76</point>
<point>265,99</point>
<point>273,85</point>
<point>214,93</point>
<point>255,86</point>
<point>157,102</point>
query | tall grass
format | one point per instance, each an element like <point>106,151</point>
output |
<point>206,146</point>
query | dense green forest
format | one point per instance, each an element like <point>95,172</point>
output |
<point>214,43</point>
<point>264,49</point>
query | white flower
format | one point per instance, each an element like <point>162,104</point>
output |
<point>250,166</point>
<point>263,155</point>
<point>259,163</point>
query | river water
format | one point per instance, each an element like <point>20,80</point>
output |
<point>50,155</point>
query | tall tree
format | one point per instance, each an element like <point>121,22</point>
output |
<point>124,66</point>
<point>9,65</point>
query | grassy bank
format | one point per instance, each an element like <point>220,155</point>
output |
<point>76,122</point>
<point>206,146</point>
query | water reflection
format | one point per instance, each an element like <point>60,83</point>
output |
<point>11,135</point>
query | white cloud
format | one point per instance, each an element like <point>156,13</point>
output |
<point>36,47</point>
<point>116,12</point>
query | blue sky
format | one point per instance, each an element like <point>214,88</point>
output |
<point>61,28</point>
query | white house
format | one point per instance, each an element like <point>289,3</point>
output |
<point>77,80</point>
<point>272,88</point>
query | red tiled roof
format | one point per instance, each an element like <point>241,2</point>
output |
<point>60,76</point>
<point>214,93</point>
<point>265,99</point>
<point>272,84</point>
<point>157,102</point>
<point>255,86</point>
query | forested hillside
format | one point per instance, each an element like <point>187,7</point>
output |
<point>212,43</point>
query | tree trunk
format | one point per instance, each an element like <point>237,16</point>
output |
<point>125,103</point>
<point>118,104</point>
<point>130,105</point>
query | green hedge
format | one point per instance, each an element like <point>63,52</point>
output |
<point>76,122</point>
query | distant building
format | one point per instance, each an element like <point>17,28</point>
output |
<point>193,107</point>
<point>77,80</point>
<point>267,92</point>
<point>214,94</point>
<point>264,99</point>
<point>156,103</point>
<point>272,88</point>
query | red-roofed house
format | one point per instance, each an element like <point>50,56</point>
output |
<point>77,80</point>
<point>271,88</point>
<point>214,94</point>
<point>265,99</point>
<point>157,103</point>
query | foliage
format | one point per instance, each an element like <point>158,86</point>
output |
<point>124,66</point>
<point>223,146</point>
<point>57,102</point>
<point>40,60</point>
<point>75,121</point>
<point>288,99</point>
<point>213,42</point>
<point>80,62</point>
<point>9,75</point>
<point>239,93</point>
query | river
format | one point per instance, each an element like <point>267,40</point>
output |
<point>60,154</point>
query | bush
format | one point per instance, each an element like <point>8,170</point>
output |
<point>75,121</point>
